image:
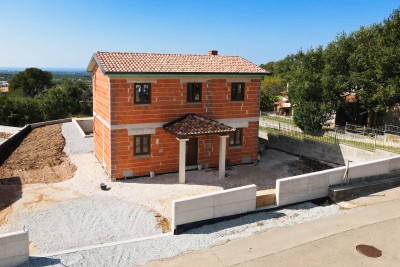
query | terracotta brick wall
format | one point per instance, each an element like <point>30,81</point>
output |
<point>168,102</point>
<point>164,154</point>
<point>101,108</point>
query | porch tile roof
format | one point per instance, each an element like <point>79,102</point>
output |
<point>195,125</point>
<point>122,62</point>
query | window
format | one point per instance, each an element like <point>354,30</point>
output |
<point>237,92</point>
<point>235,139</point>
<point>142,145</point>
<point>142,93</point>
<point>194,92</point>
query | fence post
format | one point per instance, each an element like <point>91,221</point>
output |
<point>345,128</point>
<point>335,135</point>
<point>279,126</point>
<point>375,144</point>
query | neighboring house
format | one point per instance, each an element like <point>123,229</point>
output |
<point>283,107</point>
<point>3,86</point>
<point>167,112</point>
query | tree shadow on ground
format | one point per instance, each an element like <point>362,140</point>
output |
<point>10,191</point>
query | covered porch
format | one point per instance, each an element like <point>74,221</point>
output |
<point>190,126</point>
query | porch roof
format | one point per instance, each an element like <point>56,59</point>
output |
<point>195,125</point>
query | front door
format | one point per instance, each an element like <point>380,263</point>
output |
<point>192,151</point>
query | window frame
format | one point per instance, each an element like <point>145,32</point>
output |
<point>142,86</point>
<point>141,153</point>
<point>233,136</point>
<point>236,93</point>
<point>187,91</point>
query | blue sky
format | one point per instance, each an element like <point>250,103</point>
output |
<point>65,33</point>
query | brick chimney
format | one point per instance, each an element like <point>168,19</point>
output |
<point>213,52</point>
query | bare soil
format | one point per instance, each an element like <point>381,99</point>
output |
<point>39,158</point>
<point>4,135</point>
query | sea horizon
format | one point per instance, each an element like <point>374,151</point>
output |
<point>51,69</point>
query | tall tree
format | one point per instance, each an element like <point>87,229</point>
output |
<point>31,82</point>
<point>306,91</point>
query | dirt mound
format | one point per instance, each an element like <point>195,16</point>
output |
<point>4,135</point>
<point>39,158</point>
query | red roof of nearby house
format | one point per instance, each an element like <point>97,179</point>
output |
<point>118,62</point>
<point>194,125</point>
<point>280,102</point>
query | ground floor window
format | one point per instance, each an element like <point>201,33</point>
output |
<point>142,144</point>
<point>235,139</point>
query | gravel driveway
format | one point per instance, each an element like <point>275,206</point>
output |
<point>141,252</point>
<point>85,221</point>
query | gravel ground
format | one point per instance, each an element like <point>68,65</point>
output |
<point>45,207</point>
<point>141,252</point>
<point>88,221</point>
<point>75,143</point>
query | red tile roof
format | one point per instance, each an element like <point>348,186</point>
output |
<point>195,125</point>
<point>118,62</point>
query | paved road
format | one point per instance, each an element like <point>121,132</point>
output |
<point>330,241</point>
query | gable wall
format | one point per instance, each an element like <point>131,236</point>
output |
<point>101,118</point>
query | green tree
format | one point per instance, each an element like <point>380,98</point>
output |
<point>19,111</point>
<point>306,91</point>
<point>55,104</point>
<point>271,89</point>
<point>31,82</point>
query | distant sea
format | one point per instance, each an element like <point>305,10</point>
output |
<point>72,70</point>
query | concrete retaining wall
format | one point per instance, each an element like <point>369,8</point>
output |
<point>5,145</point>
<point>338,153</point>
<point>14,248</point>
<point>214,205</point>
<point>44,123</point>
<point>85,126</point>
<point>315,185</point>
<point>21,134</point>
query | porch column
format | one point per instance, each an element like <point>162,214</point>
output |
<point>182,159</point>
<point>222,155</point>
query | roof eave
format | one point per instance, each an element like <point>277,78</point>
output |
<point>186,73</point>
<point>94,61</point>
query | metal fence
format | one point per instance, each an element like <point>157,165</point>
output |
<point>353,135</point>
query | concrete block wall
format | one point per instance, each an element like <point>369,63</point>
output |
<point>44,123</point>
<point>315,185</point>
<point>85,125</point>
<point>214,205</point>
<point>14,248</point>
<point>338,153</point>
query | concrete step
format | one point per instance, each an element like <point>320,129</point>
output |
<point>349,191</point>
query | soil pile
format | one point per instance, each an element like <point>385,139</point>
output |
<point>39,158</point>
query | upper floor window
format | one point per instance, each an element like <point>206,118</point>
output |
<point>142,144</point>
<point>235,139</point>
<point>237,92</point>
<point>194,92</point>
<point>142,93</point>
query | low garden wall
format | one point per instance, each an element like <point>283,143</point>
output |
<point>213,205</point>
<point>14,248</point>
<point>335,153</point>
<point>315,185</point>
